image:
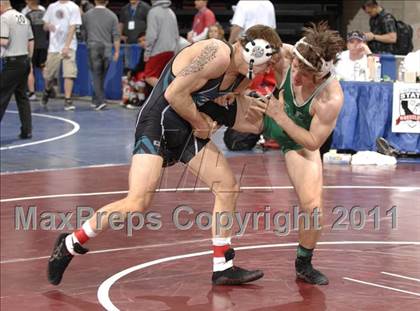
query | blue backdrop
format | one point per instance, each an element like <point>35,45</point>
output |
<point>366,115</point>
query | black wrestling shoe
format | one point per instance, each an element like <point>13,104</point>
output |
<point>305,272</point>
<point>235,275</point>
<point>61,258</point>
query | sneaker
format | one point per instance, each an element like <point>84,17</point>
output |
<point>45,96</point>
<point>306,273</point>
<point>131,107</point>
<point>32,96</point>
<point>92,105</point>
<point>100,107</point>
<point>60,258</point>
<point>68,105</point>
<point>25,135</point>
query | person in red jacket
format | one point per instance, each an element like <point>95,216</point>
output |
<point>202,21</point>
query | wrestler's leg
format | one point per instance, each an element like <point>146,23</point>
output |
<point>305,171</point>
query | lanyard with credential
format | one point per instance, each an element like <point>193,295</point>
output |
<point>131,23</point>
<point>133,12</point>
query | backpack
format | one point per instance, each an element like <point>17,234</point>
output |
<point>237,141</point>
<point>404,43</point>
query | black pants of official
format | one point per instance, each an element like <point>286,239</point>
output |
<point>14,80</point>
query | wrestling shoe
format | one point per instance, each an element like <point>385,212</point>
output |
<point>61,258</point>
<point>305,272</point>
<point>235,275</point>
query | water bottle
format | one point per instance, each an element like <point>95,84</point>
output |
<point>378,72</point>
<point>401,72</point>
<point>356,71</point>
<point>332,157</point>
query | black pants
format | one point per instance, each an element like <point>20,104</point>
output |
<point>99,61</point>
<point>14,80</point>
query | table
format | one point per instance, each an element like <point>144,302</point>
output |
<point>366,115</point>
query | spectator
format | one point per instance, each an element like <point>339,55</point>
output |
<point>84,5</point>
<point>16,42</point>
<point>135,90</point>
<point>250,13</point>
<point>101,27</point>
<point>383,30</point>
<point>61,19</point>
<point>216,31</point>
<point>133,20</point>
<point>202,21</point>
<point>161,39</point>
<point>35,14</point>
<point>357,53</point>
<point>27,8</point>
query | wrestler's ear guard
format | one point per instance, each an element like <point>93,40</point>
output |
<point>256,52</point>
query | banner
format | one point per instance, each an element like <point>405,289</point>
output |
<point>406,108</point>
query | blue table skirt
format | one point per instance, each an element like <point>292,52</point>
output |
<point>366,115</point>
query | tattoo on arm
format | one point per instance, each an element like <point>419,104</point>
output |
<point>198,63</point>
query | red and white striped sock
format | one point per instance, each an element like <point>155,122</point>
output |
<point>220,246</point>
<point>80,236</point>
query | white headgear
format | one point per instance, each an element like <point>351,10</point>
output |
<point>326,66</point>
<point>257,52</point>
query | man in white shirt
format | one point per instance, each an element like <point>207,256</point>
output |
<point>355,64</point>
<point>249,13</point>
<point>61,19</point>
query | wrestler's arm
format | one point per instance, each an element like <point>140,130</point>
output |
<point>248,120</point>
<point>326,109</point>
<point>211,62</point>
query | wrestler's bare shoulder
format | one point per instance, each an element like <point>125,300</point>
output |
<point>211,56</point>
<point>330,99</point>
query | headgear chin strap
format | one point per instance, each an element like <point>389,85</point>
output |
<point>256,52</point>
<point>326,66</point>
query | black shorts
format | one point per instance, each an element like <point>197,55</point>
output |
<point>161,131</point>
<point>39,58</point>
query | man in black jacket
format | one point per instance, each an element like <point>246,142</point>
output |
<point>383,30</point>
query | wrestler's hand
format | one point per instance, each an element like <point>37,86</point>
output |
<point>270,106</point>
<point>207,129</point>
<point>225,100</point>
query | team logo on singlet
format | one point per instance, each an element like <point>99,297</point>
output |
<point>409,108</point>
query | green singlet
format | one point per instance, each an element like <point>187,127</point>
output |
<point>300,115</point>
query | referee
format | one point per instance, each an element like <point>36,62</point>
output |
<point>16,40</point>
